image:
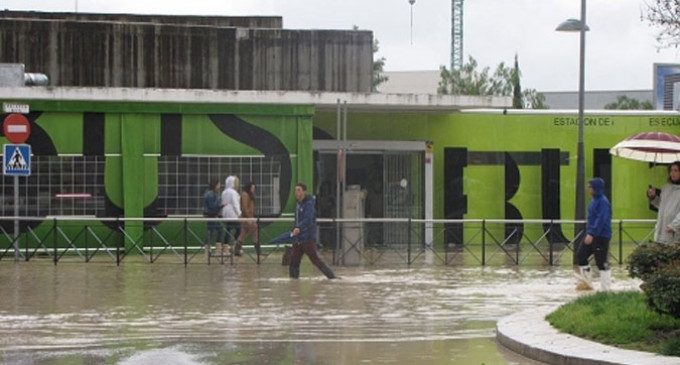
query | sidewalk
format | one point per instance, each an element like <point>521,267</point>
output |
<point>529,334</point>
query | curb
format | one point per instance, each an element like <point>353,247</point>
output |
<point>530,335</point>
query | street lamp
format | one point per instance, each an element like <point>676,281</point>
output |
<point>576,25</point>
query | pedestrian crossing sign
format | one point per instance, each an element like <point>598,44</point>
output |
<point>17,160</point>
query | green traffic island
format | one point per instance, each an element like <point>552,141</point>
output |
<point>621,319</point>
<point>646,320</point>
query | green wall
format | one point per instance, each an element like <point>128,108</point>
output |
<point>484,185</point>
<point>133,138</point>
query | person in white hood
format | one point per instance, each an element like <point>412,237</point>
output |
<point>231,208</point>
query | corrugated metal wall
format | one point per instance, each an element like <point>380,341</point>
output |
<point>146,54</point>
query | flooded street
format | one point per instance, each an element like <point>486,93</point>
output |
<point>164,313</point>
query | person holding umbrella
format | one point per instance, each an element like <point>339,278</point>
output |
<point>667,201</point>
<point>658,148</point>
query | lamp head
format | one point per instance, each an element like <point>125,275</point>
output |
<point>571,25</point>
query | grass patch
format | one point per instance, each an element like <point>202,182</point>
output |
<point>619,319</point>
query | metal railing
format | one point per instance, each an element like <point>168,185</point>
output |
<point>348,241</point>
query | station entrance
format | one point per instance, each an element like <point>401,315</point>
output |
<point>371,179</point>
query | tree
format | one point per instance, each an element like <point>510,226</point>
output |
<point>378,65</point>
<point>665,14</point>
<point>623,102</point>
<point>505,81</point>
<point>534,100</point>
<point>517,100</point>
<point>469,81</point>
<point>378,68</point>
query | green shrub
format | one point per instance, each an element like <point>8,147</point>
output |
<point>658,266</point>
<point>662,289</point>
<point>648,258</point>
<point>671,347</point>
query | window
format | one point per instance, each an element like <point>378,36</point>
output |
<point>182,180</point>
<point>58,185</point>
<point>74,185</point>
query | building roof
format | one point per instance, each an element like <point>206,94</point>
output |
<point>368,102</point>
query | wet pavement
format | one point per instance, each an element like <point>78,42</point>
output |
<point>141,313</point>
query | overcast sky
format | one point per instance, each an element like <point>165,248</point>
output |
<point>620,48</point>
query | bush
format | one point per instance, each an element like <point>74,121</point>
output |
<point>671,347</point>
<point>658,266</point>
<point>662,289</point>
<point>648,258</point>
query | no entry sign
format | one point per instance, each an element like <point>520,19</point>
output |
<point>16,128</point>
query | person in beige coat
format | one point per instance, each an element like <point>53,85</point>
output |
<point>248,227</point>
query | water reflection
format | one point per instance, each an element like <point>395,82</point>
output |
<point>138,313</point>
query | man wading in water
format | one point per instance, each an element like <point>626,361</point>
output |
<point>304,235</point>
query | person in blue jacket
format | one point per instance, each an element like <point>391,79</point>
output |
<point>211,209</point>
<point>598,234</point>
<point>304,234</point>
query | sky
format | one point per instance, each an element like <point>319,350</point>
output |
<point>621,49</point>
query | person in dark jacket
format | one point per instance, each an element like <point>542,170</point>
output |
<point>304,235</point>
<point>598,234</point>
<point>211,209</point>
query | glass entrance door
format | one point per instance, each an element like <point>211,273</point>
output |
<point>391,184</point>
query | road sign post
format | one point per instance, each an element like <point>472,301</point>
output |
<point>16,160</point>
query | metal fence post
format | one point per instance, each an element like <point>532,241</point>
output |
<point>54,239</point>
<point>186,229</point>
<point>483,242</point>
<point>118,243</point>
<point>620,241</point>
<point>151,260</point>
<point>550,244</point>
<point>16,243</point>
<point>87,245</point>
<point>258,248</point>
<point>409,241</point>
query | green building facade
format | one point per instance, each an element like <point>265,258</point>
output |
<point>135,158</point>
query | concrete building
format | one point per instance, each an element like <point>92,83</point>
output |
<point>427,82</point>
<point>410,82</point>
<point>592,99</point>
<point>113,50</point>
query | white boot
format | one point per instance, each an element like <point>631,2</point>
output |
<point>605,280</point>
<point>584,278</point>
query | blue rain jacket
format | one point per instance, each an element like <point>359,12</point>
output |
<point>305,220</point>
<point>599,211</point>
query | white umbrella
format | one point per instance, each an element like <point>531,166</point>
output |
<point>655,147</point>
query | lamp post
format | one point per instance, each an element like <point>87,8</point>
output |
<point>575,25</point>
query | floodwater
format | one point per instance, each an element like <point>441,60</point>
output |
<point>165,313</point>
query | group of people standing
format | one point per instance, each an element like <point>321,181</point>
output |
<point>599,231</point>
<point>230,204</point>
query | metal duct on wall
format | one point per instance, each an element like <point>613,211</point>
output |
<point>36,79</point>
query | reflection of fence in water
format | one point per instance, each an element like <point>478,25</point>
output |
<point>483,242</point>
